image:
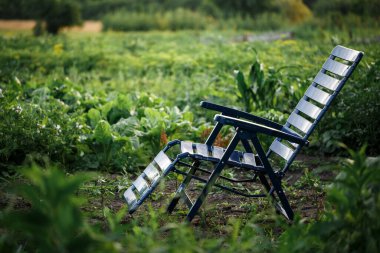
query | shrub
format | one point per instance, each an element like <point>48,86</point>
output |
<point>53,222</point>
<point>295,10</point>
<point>361,8</point>
<point>355,116</point>
<point>178,19</point>
<point>262,91</point>
<point>37,126</point>
<point>350,223</point>
<point>270,22</point>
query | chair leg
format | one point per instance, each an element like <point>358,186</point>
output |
<point>180,191</point>
<point>276,183</point>
<point>214,175</point>
<point>265,182</point>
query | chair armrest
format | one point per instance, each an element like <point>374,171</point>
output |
<point>240,114</point>
<point>258,128</point>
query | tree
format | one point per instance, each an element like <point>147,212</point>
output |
<point>246,7</point>
<point>55,14</point>
<point>367,8</point>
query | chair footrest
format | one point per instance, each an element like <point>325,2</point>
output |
<point>161,165</point>
<point>145,184</point>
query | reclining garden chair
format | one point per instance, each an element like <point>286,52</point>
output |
<point>289,139</point>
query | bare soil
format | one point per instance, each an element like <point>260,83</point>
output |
<point>17,25</point>
<point>305,194</point>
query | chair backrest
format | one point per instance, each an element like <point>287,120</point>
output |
<point>316,100</point>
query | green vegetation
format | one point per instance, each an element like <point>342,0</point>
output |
<point>85,102</point>
<point>249,15</point>
<point>55,221</point>
<point>179,19</point>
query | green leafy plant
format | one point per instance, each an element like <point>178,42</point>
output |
<point>36,127</point>
<point>267,91</point>
<point>350,222</point>
<point>52,220</point>
<point>341,126</point>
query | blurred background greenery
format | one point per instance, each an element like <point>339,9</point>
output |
<point>131,15</point>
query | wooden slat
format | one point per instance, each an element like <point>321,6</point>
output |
<point>217,152</point>
<point>345,53</point>
<point>282,150</point>
<point>326,81</point>
<point>163,161</point>
<point>187,147</point>
<point>336,67</point>
<point>152,173</point>
<point>317,95</point>
<point>141,185</point>
<point>130,197</point>
<point>201,149</point>
<point>308,108</point>
<point>249,158</point>
<point>299,122</point>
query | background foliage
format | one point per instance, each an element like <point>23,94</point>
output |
<point>125,15</point>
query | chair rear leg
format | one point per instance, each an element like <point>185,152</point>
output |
<point>284,208</point>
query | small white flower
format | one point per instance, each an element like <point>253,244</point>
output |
<point>41,126</point>
<point>78,125</point>
<point>18,109</point>
<point>82,138</point>
<point>61,102</point>
<point>17,80</point>
<point>58,128</point>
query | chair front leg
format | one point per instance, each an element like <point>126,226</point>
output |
<point>180,193</point>
<point>214,175</point>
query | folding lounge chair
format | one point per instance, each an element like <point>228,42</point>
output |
<point>289,139</point>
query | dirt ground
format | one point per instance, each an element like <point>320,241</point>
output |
<point>304,185</point>
<point>12,25</point>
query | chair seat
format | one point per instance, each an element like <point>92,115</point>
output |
<point>214,154</point>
